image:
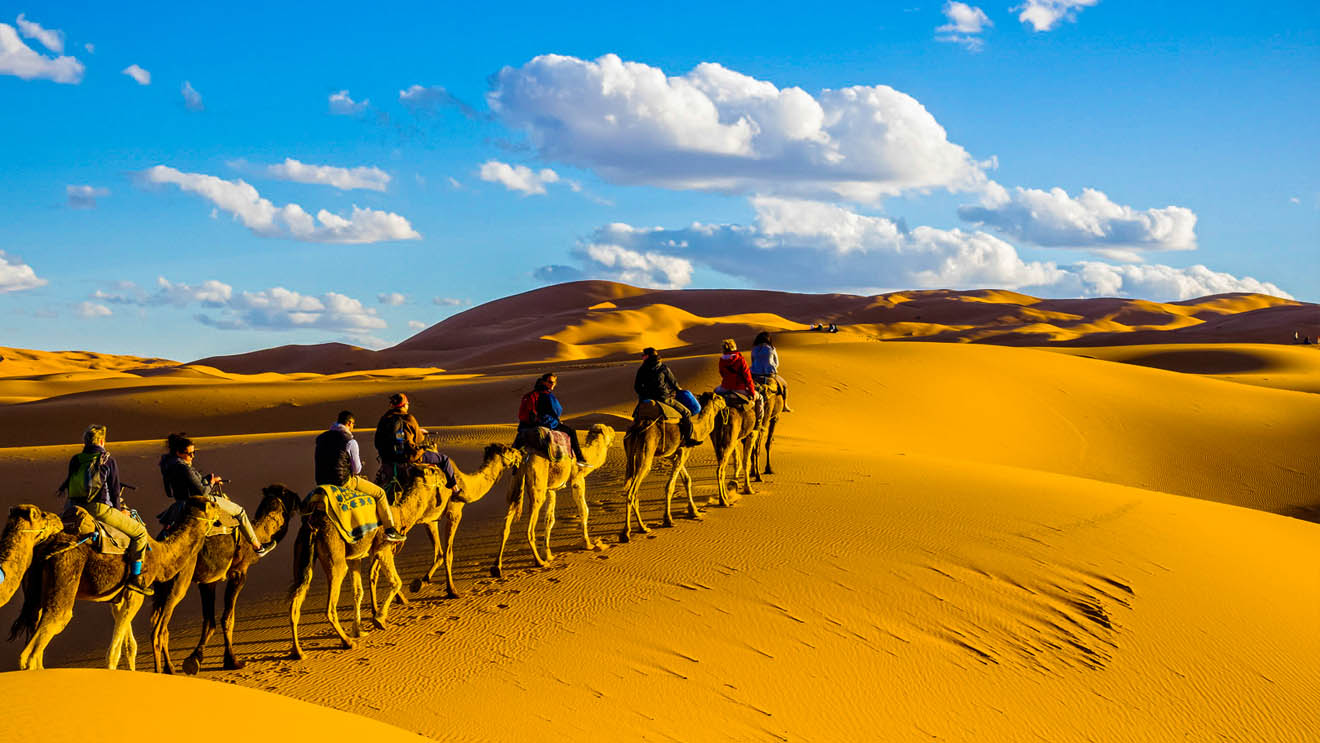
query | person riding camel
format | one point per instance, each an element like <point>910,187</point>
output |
<point>655,381</point>
<point>736,377</point>
<point>545,412</point>
<point>400,442</point>
<point>182,481</point>
<point>765,366</point>
<point>93,483</point>
<point>338,463</point>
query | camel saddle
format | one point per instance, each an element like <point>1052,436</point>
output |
<point>654,409</point>
<point>104,539</point>
<point>352,512</point>
<point>553,445</point>
<point>223,525</point>
<point>736,400</point>
<point>766,384</point>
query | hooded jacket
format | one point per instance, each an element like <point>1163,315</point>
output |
<point>655,381</point>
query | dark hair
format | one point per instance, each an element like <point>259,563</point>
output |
<point>762,337</point>
<point>546,377</point>
<point>649,351</point>
<point>398,399</point>
<point>345,417</point>
<point>178,443</point>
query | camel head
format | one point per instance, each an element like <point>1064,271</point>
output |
<point>33,520</point>
<point>710,399</point>
<point>508,456</point>
<point>600,429</point>
<point>277,496</point>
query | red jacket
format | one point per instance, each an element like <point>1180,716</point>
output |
<point>735,374</point>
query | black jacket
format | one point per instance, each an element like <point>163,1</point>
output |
<point>333,465</point>
<point>654,381</point>
<point>181,480</point>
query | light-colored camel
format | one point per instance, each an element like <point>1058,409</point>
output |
<point>774,405</point>
<point>542,479</point>
<point>734,438</point>
<point>647,439</point>
<point>224,556</point>
<point>319,540</point>
<point>28,526</point>
<point>69,570</point>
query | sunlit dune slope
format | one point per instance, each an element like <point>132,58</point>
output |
<point>1284,367</point>
<point>15,362</point>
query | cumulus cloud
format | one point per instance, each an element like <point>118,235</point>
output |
<point>518,177</point>
<point>719,130</point>
<point>210,293</point>
<point>965,24</point>
<point>192,100</point>
<point>392,299</point>
<point>342,104</point>
<point>448,301</point>
<point>140,75</point>
<point>815,246</point>
<point>16,276</point>
<point>1044,15</point>
<point>416,325</point>
<point>89,310</point>
<point>290,221</point>
<point>1091,220</point>
<point>20,60</point>
<point>344,179</point>
<point>49,38</point>
<point>420,98</point>
<point>84,197</point>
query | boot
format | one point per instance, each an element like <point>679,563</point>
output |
<point>685,429</point>
<point>393,535</point>
<point>135,581</point>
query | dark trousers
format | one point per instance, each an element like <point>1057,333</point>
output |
<point>573,437</point>
<point>444,463</point>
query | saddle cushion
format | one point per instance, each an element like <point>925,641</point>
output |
<point>104,539</point>
<point>735,399</point>
<point>767,385</point>
<point>353,513</point>
<point>553,445</point>
<point>652,409</point>
<point>224,523</point>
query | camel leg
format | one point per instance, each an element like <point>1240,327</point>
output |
<point>395,584</point>
<point>755,462</point>
<point>122,612</point>
<point>538,502</point>
<point>769,437</point>
<point>680,466</point>
<point>641,463</point>
<point>160,636</point>
<point>355,569</point>
<point>453,515</point>
<point>437,553</point>
<point>193,662</point>
<point>372,574</point>
<point>551,498</point>
<point>669,491</point>
<point>334,573</point>
<point>498,569</point>
<point>56,611</point>
<point>232,588</point>
<point>744,463</point>
<point>721,466</point>
<point>579,491</point>
<point>299,594</point>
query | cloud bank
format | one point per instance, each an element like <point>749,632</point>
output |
<point>290,221</point>
<point>367,177</point>
<point>16,276</point>
<point>1054,219</point>
<point>20,60</point>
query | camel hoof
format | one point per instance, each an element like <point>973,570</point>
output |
<point>234,664</point>
<point>768,471</point>
<point>191,665</point>
<point>168,669</point>
<point>625,537</point>
<point>416,585</point>
<point>403,600</point>
<point>598,545</point>
<point>451,594</point>
<point>496,571</point>
<point>668,523</point>
<point>296,654</point>
<point>347,644</point>
<point>377,623</point>
<point>757,478</point>
<point>694,515</point>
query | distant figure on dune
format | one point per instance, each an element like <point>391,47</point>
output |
<point>400,442</point>
<point>338,462</point>
<point>765,367</point>
<point>182,481</point>
<point>540,408</point>
<point>93,484</point>
<point>736,377</point>
<point>654,381</point>
<point>834,328</point>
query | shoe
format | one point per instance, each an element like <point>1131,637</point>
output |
<point>136,583</point>
<point>393,535</point>
<point>689,442</point>
<point>264,549</point>
<point>583,465</point>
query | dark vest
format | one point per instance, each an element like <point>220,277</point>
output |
<point>333,466</point>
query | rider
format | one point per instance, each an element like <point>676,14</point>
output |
<point>547,412</point>
<point>655,381</point>
<point>182,482</point>
<point>93,483</point>
<point>736,376</point>
<point>765,365</point>
<point>338,463</point>
<point>400,441</point>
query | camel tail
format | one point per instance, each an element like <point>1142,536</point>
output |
<point>25,624</point>
<point>304,556</point>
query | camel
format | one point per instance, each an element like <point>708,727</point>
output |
<point>655,437</point>
<point>774,405</point>
<point>543,479</point>
<point>319,540</point>
<point>734,437</point>
<point>223,556</point>
<point>27,528</point>
<point>70,570</point>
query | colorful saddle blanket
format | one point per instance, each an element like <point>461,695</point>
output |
<point>553,445</point>
<point>353,513</point>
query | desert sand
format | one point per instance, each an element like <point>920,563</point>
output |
<point>1080,520</point>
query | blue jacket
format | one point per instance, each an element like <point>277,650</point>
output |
<point>548,410</point>
<point>765,360</point>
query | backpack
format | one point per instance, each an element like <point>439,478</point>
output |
<point>527,408</point>
<point>403,449</point>
<point>87,480</point>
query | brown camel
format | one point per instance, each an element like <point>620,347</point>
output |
<point>27,527</point>
<point>774,405</point>
<point>734,438</point>
<point>655,437</point>
<point>225,556</point>
<point>319,540</point>
<point>543,479</point>
<point>69,570</point>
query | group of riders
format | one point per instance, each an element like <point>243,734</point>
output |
<point>400,442</point>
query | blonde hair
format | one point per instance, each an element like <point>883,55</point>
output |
<point>729,345</point>
<point>95,434</point>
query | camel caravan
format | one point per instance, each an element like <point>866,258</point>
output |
<point>99,550</point>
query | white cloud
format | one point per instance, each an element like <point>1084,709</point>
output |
<point>18,59</point>
<point>448,301</point>
<point>416,325</point>
<point>1091,220</point>
<point>91,309</point>
<point>518,177</point>
<point>367,177</point>
<point>718,130</point>
<point>454,182</point>
<point>49,38</point>
<point>91,48</point>
<point>392,299</point>
<point>16,276</point>
<point>290,221</point>
<point>192,100</point>
<point>209,293</point>
<point>140,75</point>
<point>420,98</point>
<point>965,22</point>
<point>343,105</point>
<point>84,197</point>
<point>815,246</point>
<point>1044,15</point>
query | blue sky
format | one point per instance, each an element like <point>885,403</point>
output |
<point>1056,147</point>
